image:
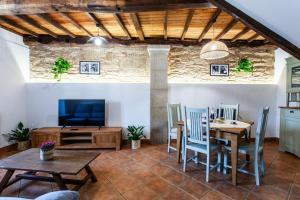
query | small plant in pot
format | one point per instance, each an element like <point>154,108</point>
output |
<point>61,66</point>
<point>135,134</point>
<point>46,150</point>
<point>21,135</point>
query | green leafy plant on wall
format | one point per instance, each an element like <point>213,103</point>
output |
<point>244,65</point>
<point>60,67</point>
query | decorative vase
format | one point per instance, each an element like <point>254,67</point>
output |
<point>46,155</point>
<point>23,145</point>
<point>136,144</point>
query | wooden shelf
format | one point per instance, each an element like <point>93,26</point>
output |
<point>77,138</point>
<point>79,146</point>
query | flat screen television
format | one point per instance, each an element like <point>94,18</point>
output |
<point>81,112</point>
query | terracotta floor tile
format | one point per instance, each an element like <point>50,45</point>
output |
<point>175,177</point>
<point>160,186</point>
<point>141,193</point>
<point>231,190</point>
<point>213,195</point>
<point>194,188</point>
<point>295,192</point>
<point>267,192</point>
<point>160,169</point>
<point>126,183</point>
<point>177,194</point>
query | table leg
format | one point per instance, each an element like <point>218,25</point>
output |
<point>234,157</point>
<point>5,179</point>
<point>179,143</point>
<point>89,171</point>
<point>58,179</point>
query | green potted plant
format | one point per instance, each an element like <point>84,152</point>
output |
<point>135,134</point>
<point>20,135</point>
<point>60,67</point>
<point>46,150</point>
<point>244,65</point>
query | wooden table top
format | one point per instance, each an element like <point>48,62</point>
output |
<point>65,161</point>
<point>238,131</point>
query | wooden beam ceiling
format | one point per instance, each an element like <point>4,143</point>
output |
<point>210,24</point>
<point>9,7</point>
<point>166,25</point>
<point>258,27</point>
<point>33,23</point>
<point>10,30</point>
<point>187,23</point>
<point>231,24</point>
<point>56,24</point>
<point>14,24</point>
<point>98,22</point>
<point>121,24</point>
<point>252,38</point>
<point>137,26</point>
<point>76,24</point>
<point>240,34</point>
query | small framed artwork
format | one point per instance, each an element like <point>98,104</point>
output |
<point>89,67</point>
<point>219,69</point>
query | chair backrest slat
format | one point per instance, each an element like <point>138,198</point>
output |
<point>230,112</point>
<point>196,125</point>
<point>174,115</point>
<point>261,129</point>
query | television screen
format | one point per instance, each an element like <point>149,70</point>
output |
<point>84,112</point>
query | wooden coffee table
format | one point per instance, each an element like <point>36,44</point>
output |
<point>65,162</point>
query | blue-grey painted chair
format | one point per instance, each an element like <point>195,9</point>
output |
<point>174,115</point>
<point>256,149</point>
<point>197,137</point>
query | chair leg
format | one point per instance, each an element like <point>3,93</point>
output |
<point>262,163</point>
<point>225,161</point>
<point>184,160</point>
<point>256,170</point>
<point>219,158</point>
<point>169,143</point>
<point>207,167</point>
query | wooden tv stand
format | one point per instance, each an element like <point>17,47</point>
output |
<point>79,137</point>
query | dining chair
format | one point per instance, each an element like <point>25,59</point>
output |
<point>197,137</point>
<point>174,115</point>
<point>254,149</point>
<point>230,112</point>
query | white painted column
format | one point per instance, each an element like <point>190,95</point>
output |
<point>158,92</point>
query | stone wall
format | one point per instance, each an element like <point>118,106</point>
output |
<point>118,63</point>
<point>130,64</point>
<point>186,66</point>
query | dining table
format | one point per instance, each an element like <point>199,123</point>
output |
<point>231,130</point>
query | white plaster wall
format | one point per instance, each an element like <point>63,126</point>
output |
<point>126,104</point>
<point>251,97</point>
<point>14,67</point>
<point>281,16</point>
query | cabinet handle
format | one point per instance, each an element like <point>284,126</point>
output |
<point>291,111</point>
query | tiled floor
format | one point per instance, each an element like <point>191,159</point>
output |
<point>152,173</point>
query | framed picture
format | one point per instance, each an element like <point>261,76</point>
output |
<point>219,69</point>
<point>89,67</point>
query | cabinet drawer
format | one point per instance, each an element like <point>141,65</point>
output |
<point>293,113</point>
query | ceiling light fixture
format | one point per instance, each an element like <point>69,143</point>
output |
<point>214,49</point>
<point>98,40</point>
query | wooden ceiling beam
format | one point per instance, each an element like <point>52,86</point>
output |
<point>10,7</point>
<point>14,24</point>
<point>33,23</point>
<point>56,24</point>
<point>166,25</point>
<point>240,34</point>
<point>76,24</point>
<point>252,38</point>
<point>187,23</point>
<point>137,26</point>
<point>98,22</point>
<point>10,30</point>
<point>258,27</point>
<point>210,24</point>
<point>121,24</point>
<point>230,25</point>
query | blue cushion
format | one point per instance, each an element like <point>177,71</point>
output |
<point>60,195</point>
